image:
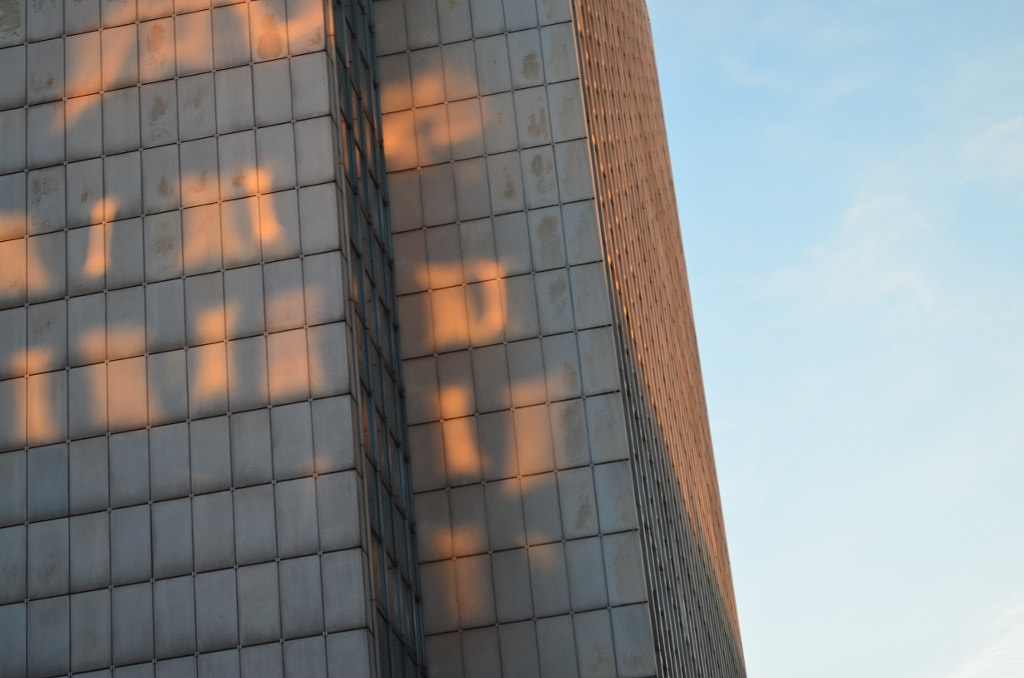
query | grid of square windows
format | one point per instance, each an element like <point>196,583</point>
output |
<point>178,489</point>
<point>681,523</point>
<point>392,547</point>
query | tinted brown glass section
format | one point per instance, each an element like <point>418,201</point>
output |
<point>677,490</point>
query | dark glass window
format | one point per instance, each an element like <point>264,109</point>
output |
<point>398,626</point>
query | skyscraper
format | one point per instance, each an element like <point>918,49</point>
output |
<point>340,340</point>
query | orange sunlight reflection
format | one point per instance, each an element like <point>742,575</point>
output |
<point>425,134</point>
<point>462,456</point>
<point>289,356</point>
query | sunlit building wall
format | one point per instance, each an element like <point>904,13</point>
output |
<point>564,485</point>
<point>202,455</point>
<point>687,562</point>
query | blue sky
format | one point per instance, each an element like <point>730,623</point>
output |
<point>850,179</point>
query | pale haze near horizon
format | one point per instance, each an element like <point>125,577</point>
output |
<point>850,180</point>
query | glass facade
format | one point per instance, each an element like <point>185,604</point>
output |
<point>205,463</point>
<point>389,499</point>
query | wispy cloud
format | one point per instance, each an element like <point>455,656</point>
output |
<point>997,153</point>
<point>739,69</point>
<point>1003,657</point>
<point>987,81</point>
<point>813,38</point>
<point>876,256</point>
<point>810,27</point>
<point>802,24</point>
<point>868,314</point>
<point>845,83</point>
